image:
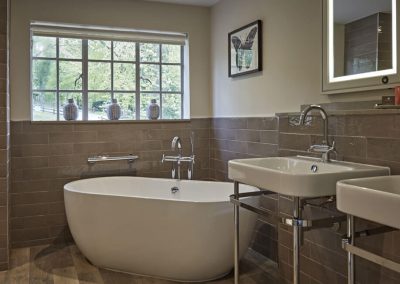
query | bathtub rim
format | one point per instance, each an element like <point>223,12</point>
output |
<point>155,198</point>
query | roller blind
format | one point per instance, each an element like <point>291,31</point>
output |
<point>98,32</point>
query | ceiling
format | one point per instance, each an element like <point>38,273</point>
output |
<point>206,3</point>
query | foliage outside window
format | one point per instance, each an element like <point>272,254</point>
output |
<point>95,71</point>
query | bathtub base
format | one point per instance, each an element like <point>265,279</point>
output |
<point>169,279</point>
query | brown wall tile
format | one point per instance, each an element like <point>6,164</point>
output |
<point>37,209</point>
<point>369,139</point>
<point>4,137</point>
<point>45,156</point>
<point>234,138</point>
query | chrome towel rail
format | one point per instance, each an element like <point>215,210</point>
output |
<point>106,158</point>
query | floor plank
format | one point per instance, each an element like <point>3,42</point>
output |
<point>44,259</point>
<point>111,277</point>
<point>19,266</point>
<point>65,264</point>
<point>87,273</point>
<point>65,275</point>
<point>3,276</point>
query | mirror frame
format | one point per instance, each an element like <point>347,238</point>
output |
<point>373,82</point>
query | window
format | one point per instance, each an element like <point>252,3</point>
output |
<point>93,70</point>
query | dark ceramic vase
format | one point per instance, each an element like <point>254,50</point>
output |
<point>114,110</point>
<point>70,110</point>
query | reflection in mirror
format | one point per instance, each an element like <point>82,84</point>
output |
<point>361,44</point>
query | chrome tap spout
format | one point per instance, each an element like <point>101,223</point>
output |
<point>324,116</point>
<point>325,148</point>
<point>176,143</point>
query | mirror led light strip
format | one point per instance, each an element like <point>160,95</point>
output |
<point>332,78</point>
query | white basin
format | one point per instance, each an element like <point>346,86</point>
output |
<point>294,176</point>
<point>376,199</point>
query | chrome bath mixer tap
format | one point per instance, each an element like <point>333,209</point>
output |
<point>176,145</point>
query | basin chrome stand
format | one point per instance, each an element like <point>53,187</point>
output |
<point>348,244</point>
<point>296,239</point>
<point>236,216</point>
<point>296,222</point>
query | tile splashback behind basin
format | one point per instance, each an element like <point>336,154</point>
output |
<point>366,138</point>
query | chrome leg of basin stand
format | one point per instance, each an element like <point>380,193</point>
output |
<point>296,241</point>
<point>236,216</point>
<point>350,256</point>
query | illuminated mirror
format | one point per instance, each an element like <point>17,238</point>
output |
<point>360,44</point>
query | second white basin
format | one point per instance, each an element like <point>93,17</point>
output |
<point>376,199</point>
<point>294,176</point>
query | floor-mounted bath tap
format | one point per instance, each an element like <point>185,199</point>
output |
<point>176,144</point>
<point>325,148</point>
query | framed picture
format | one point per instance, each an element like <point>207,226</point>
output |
<point>245,49</point>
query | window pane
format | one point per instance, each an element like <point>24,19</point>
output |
<point>44,46</point>
<point>97,104</point>
<point>171,78</point>
<point>125,51</point>
<point>99,49</point>
<point>70,75</point>
<point>64,97</point>
<point>128,105</point>
<point>124,76</point>
<point>70,48</point>
<point>44,74</point>
<point>99,76</point>
<point>145,100</point>
<point>171,53</point>
<point>149,77</point>
<point>171,106</point>
<point>149,52</point>
<point>44,106</point>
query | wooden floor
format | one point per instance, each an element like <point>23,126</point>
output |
<point>64,264</point>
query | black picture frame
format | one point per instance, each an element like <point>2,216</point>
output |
<point>244,47</point>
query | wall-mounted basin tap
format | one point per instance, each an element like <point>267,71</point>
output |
<point>325,148</point>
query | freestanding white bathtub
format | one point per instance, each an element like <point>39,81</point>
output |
<point>138,225</point>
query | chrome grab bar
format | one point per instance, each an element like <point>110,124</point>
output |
<point>106,158</point>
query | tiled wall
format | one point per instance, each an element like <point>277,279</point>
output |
<point>365,138</point>
<point>4,137</point>
<point>369,139</point>
<point>361,41</point>
<point>234,138</point>
<point>46,156</point>
<point>385,41</point>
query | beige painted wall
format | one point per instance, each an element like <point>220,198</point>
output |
<point>118,13</point>
<point>292,37</point>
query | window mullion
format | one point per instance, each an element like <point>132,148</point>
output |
<point>85,68</point>
<point>160,70</point>
<point>137,96</point>
<point>112,70</point>
<point>182,80</point>
<point>58,76</point>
